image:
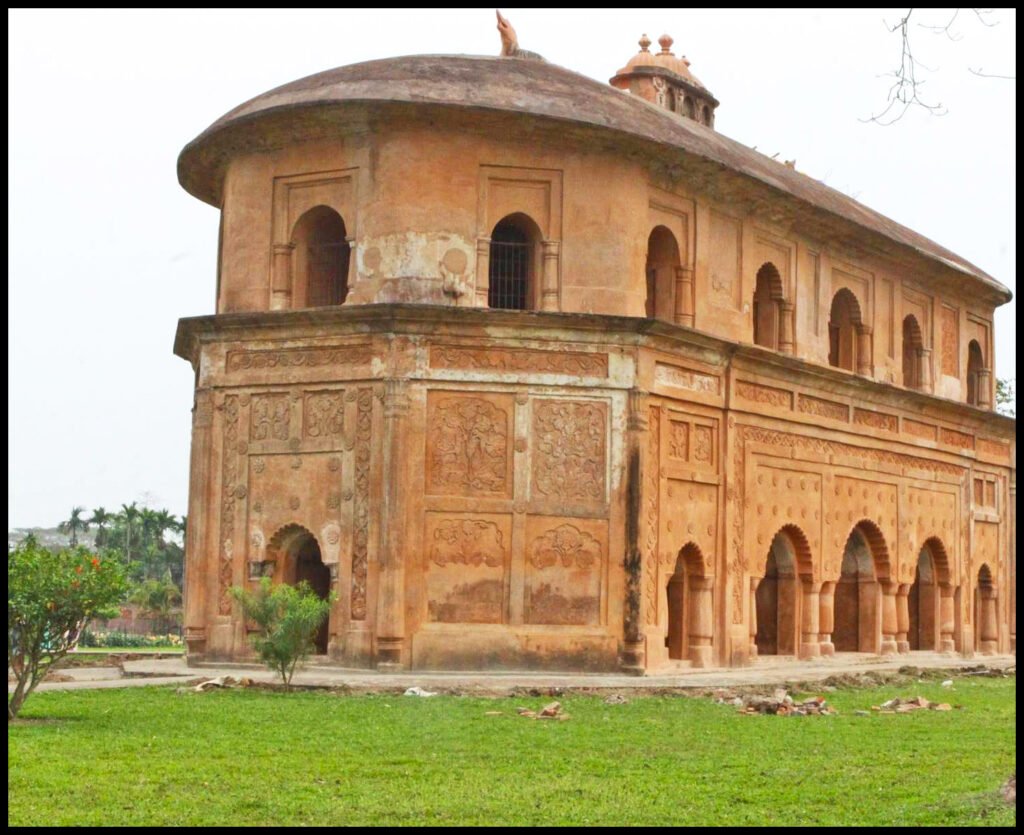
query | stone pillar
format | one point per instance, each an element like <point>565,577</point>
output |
<point>984,388</point>
<point>889,625</point>
<point>810,619</point>
<point>988,623</point>
<point>926,369</point>
<point>787,316</point>
<point>684,297</point>
<point>903,618</point>
<point>633,660</point>
<point>753,617</point>
<point>549,281</point>
<point>353,272</point>
<point>196,533</point>
<point>826,618</point>
<point>391,576</point>
<point>864,363</point>
<point>947,619</point>
<point>701,620</point>
<point>483,271</point>
<point>281,289</point>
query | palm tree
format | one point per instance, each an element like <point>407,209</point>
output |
<point>158,599</point>
<point>100,518</point>
<point>129,513</point>
<point>73,524</point>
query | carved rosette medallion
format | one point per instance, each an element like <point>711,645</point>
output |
<point>467,449</point>
<point>569,450</point>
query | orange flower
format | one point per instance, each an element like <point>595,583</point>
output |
<point>95,562</point>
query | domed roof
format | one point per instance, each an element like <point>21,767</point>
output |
<point>507,85</point>
<point>665,60</point>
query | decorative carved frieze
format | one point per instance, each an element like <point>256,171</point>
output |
<point>523,360</point>
<point>996,449</point>
<point>876,420</point>
<point>300,357</point>
<point>229,473</point>
<point>569,456</point>
<point>764,394</point>
<point>958,439</point>
<point>652,482</point>
<point>361,505</point>
<point>682,378</point>
<point>918,429</point>
<point>823,408</point>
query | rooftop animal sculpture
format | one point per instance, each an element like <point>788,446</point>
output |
<point>510,43</point>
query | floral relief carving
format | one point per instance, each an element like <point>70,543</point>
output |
<point>467,446</point>
<point>678,440</point>
<point>569,450</point>
<point>467,542</point>
<point>764,394</point>
<point>919,430</point>
<point>519,359</point>
<point>823,408</point>
<point>651,500</point>
<point>997,449</point>
<point>950,342</point>
<point>324,414</point>
<point>566,546</point>
<point>361,505</point>
<point>229,473</point>
<point>300,357</point>
<point>269,417</point>
<point>683,378</point>
<point>876,420</point>
<point>702,444</point>
<point>960,439</point>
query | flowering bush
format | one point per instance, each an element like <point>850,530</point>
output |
<point>50,598</point>
<point>127,639</point>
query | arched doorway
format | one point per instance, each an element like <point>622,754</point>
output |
<point>777,601</point>
<point>296,555</point>
<point>985,613</point>
<point>923,604</point>
<point>845,327</point>
<point>662,262</point>
<point>321,258</point>
<point>975,364</point>
<point>513,271</point>
<point>856,621</point>
<point>913,353</point>
<point>688,594</point>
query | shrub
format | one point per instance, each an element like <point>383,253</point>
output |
<point>287,619</point>
<point>51,596</point>
<point>101,640</point>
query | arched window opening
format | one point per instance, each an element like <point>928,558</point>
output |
<point>767,307</point>
<point>975,364</point>
<point>321,258</point>
<point>688,107</point>
<point>776,599</point>
<point>922,603</point>
<point>707,116</point>
<point>513,263</point>
<point>913,353</point>
<point>844,322</point>
<point>295,555</point>
<point>662,263</point>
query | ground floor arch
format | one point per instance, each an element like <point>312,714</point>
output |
<point>864,599</point>
<point>929,602</point>
<point>295,557</point>
<point>779,596</point>
<point>688,593</point>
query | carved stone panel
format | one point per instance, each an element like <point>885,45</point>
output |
<point>823,408</point>
<point>569,450</point>
<point>950,341</point>
<point>269,417</point>
<point>522,360</point>
<point>565,561</point>
<point>468,450</point>
<point>323,414</point>
<point>724,266</point>
<point>229,475</point>
<point>766,395</point>
<point>466,567</point>
<point>679,440</point>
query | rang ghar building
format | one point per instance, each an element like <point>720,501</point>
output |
<point>538,372</point>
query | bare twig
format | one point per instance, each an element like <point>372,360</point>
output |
<point>981,74</point>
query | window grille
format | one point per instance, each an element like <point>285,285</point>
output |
<point>509,275</point>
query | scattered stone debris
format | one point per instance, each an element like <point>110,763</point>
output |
<point>549,711</point>
<point>419,691</point>
<point>1009,790</point>
<point>780,703</point>
<point>990,672</point>
<point>899,705</point>
<point>616,699</point>
<point>201,685</point>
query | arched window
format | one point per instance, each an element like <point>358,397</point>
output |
<point>913,353</point>
<point>975,364</point>
<point>844,325</point>
<point>767,307</point>
<point>513,265</point>
<point>707,116</point>
<point>688,108</point>
<point>662,262</point>
<point>321,258</point>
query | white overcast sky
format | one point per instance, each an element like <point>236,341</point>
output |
<point>106,251</point>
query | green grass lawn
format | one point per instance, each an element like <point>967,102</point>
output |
<point>148,756</point>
